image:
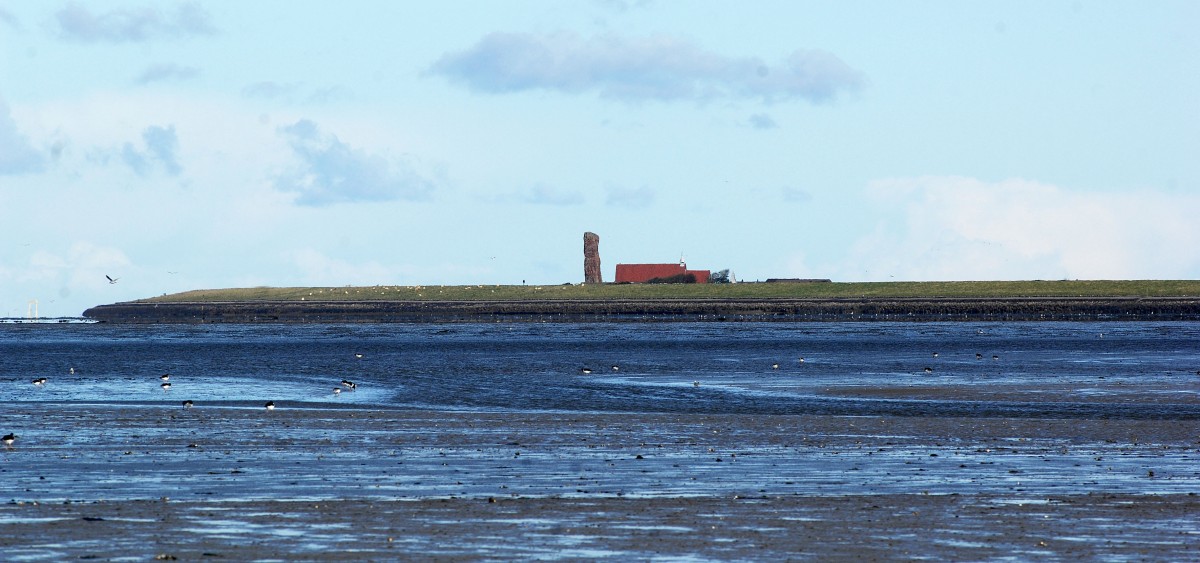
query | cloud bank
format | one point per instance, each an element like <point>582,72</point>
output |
<point>329,171</point>
<point>661,68</point>
<point>963,228</point>
<point>78,23</point>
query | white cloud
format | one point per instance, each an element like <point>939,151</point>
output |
<point>762,121</point>
<point>162,146</point>
<point>947,228</point>
<point>622,5</point>
<point>637,198</point>
<point>546,195</point>
<point>795,195</point>
<point>318,269</point>
<point>330,171</point>
<point>166,72</point>
<point>80,269</point>
<point>17,156</point>
<point>8,18</point>
<point>659,67</point>
<point>79,23</point>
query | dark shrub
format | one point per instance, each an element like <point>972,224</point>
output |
<point>677,278</point>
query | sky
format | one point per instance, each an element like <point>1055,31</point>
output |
<point>211,144</point>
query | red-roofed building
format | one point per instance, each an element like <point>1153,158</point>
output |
<point>642,273</point>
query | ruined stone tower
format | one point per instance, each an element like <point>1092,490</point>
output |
<point>591,258</point>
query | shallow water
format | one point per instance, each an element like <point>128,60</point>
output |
<point>1014,414</point>
<point>1084,370</point>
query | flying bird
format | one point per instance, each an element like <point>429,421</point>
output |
<point>111,279</point>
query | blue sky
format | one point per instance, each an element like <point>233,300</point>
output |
<point>187,145</point>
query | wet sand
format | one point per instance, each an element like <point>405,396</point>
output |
<point>233,481</point>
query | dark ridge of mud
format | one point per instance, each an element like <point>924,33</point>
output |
<point>681,310</point>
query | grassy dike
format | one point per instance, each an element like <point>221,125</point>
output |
<point>832,290</point>
<point>890,301</point>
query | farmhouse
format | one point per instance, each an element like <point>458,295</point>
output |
<point>666,273</point>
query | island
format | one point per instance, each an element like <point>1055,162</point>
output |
<point>806,300</point>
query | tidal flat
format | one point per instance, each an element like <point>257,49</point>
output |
<point>303,483</point>
<point>699,441</point>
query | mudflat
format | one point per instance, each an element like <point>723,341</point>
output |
<point>233,481</point>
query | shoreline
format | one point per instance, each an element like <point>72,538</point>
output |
<point>935,309</point>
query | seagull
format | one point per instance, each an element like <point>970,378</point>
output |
<point>270,405</point>
<point>616,367</point>
<point>774,366</point>
<point>111,279</point>
<point>9,439</point>
<point>187,404</point>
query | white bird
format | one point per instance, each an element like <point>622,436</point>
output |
<point>111,279</point>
